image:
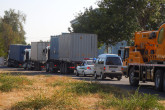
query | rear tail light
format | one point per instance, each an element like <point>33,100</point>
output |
<point>55,65</point>
<point>104,68</point>
<point>72,67</point>
<point>88,68</point>
<point>122,68</point>
<point>42,66</point>
<point>20,64</point>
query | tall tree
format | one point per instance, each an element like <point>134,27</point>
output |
<point>16,21</point>
<point>11,30</point>
<point>117,20</point>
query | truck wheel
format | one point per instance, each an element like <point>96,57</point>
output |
<point>8,64</point>
<point>95,75</point>
<point>132,79</point>
<point>102,76</point>
<point>164,82</point>
<point>47,67</point>
<point>159,80</point>
<point>77,74</point>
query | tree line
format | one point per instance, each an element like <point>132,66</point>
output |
<point>11,30</point>
<point>117,20</point>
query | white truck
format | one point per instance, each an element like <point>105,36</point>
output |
<point>35,57</point>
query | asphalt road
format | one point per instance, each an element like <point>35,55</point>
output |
<point>147,87</point>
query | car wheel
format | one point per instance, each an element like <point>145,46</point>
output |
<point>95,75</point>
<point>132,79</point>
<point>102,76</point>
<point>159,80</point>
<point>77,74</point>
<point>84,74</point>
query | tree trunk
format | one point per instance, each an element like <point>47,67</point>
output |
<point>107,47</point>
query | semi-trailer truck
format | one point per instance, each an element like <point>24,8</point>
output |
<point>68,50</point>
<point>16,55</point>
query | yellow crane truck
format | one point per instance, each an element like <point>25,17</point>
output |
<point>145,61</point>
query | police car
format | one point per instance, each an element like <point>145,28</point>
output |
<point>86,67</point>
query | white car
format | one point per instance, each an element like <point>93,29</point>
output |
<point>108,65</point>
<point>86,68</point>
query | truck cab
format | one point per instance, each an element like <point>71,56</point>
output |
<point>27,58</point>
<point>47,51</point>
<point>27,54</point>
<point>145,61</point>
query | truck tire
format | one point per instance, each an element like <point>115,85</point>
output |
<point>159,80</point>
<point>95,75</point>
<point>47,67</point>
<point>8,64</point>
<point>62,68</point>
<point>25,66</point>
<point>65,68</point>
<point>164,82</point>
<point>102,76</point>
<point>132,79</point>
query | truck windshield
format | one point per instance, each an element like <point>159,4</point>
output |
<point>113,61</point>
<point>90,62</point>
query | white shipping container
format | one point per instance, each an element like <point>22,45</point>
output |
<point>37,53</point>
<point>77,46</point>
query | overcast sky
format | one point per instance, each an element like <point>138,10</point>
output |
<point>46,17</point>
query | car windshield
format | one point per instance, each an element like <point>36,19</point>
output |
<point>90,62</point>
<point>113,61</point>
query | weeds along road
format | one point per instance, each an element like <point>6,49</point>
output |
<point>147,87</point>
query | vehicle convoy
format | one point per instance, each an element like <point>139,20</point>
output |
<point>68,50</point>
<point>35,57</point>
<point>16,55</point>
<point>108,65</point>
<point>86,67</point>
<point>145,61</point>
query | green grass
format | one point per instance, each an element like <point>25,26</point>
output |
<point>134,101</point>
<point>9,82</point>
<point>119,98</point>
<point>109,97</point>
<point>59,101</point>
<point>84,88</point>
<point>36,102</point>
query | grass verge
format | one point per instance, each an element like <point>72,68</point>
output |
<point>9,82</point>
<point>60,100</point>
<point>134,101</point>
<point>68,94</point>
